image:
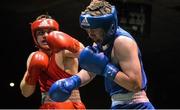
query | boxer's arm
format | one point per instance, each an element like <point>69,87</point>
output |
<point>37,62</point>
<point>126,53</point>
<point>69,60</point>
<point>62,89</point>
<point>85,77</point>
<point>92,61</point>
<point>27,89</point>
<point>61,41</point>
<point>68,53</point>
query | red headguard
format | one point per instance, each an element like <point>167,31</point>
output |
<point>43,23</point>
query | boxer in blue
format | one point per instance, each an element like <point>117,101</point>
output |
<point>114,55</point>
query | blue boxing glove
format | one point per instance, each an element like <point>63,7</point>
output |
<point>91,60</point>
<point>61,89</point>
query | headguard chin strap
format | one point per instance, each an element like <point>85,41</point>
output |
<point>43,23</point>
<point>108,22</point>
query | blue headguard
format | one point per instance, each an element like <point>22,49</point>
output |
<point>108,22</point>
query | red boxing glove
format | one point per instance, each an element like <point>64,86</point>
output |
<point>38,63</point>
<point>58,41</point>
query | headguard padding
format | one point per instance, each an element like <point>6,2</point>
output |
<point>43,23</point>
<point>108,22</point>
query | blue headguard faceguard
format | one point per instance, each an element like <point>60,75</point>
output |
<point>108,22</point>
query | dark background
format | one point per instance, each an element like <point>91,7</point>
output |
<point>159,42</point>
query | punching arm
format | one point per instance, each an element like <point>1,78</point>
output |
<point>59,41</point>
<point>61,89</point>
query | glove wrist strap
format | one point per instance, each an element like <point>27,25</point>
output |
<point>110,71</point>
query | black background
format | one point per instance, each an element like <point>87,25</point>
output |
<point>159,45</point>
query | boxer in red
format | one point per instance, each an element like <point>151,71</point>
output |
<point>56,58</point>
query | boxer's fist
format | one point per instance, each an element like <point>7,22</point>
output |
<point>58,41</point>
<point>61,89</point>
<point>38,63</point>
<point>91,60</point>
